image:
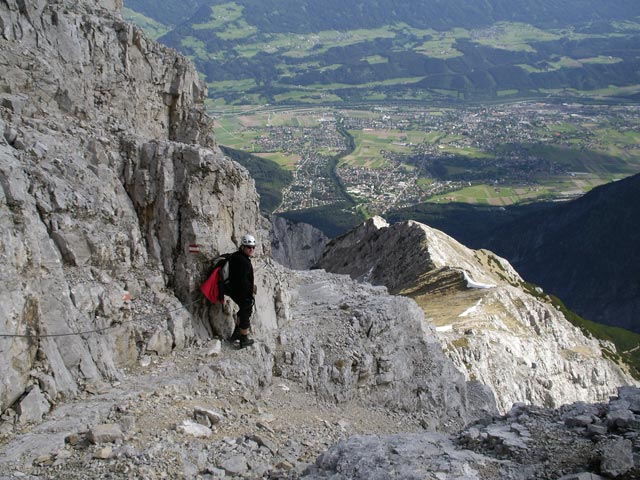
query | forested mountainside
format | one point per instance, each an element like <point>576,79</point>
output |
<point>304,16</point>
<point>269,178</point>
<point>584,251</point>
<point>388,49</point>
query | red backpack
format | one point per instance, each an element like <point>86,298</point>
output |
<point>214,287</point>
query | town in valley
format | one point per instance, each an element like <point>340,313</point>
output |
<point>389,157</point>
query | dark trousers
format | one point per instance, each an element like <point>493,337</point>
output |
<point>244,314</point>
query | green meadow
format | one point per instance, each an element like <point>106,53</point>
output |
<point>308,78</point>
<point>151,27</point>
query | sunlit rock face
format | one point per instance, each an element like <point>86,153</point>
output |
<point>495,327</point>
<point>109,172</point>
<point>349,341</point>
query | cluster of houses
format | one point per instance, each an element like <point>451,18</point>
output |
<point>490,138</point>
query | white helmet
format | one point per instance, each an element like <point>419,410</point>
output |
<point>248,241</point>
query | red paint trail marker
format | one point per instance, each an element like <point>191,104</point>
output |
<point>194,248</point>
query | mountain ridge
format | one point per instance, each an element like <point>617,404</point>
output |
<point>590,241</point>
<point>489,322</point>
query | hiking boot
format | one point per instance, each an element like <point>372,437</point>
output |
<point>235,336</point>
<point>245,341</point>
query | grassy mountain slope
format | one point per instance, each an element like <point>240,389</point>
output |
<point>627,343</point>
<point>166,12</point>
<point>305,16</point>
<point>152,27</point>
<point>332,220</point>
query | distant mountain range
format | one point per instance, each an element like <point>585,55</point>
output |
<point>301,51</point>
<point>168,13</point>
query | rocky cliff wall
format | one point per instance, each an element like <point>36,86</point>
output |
<point>296,245</point>
<point>109,172</point>
<point>81,60</point>
<point>494,327</point>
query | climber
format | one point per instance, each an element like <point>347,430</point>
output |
<point>242,289</point>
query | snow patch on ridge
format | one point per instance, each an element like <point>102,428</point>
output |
<point>472,284</point>
<point>471,310</point>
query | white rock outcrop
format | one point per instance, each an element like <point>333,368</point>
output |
<point>350,342</point>
<point>496,328</point>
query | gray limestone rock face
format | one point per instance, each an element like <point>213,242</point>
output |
<point>236,465</point>
<point>105,433</point>
<point>411,456</point>
<point>616,458</point>
<point>32,407</point>
<point>347,341</point>
<point>108,173</point>
<point>582,476</point>
<point>296,245</point>
<point>396,256</point>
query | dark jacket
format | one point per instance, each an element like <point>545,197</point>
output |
<point>240,276</point>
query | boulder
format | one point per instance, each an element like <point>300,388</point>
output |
<point>32,407</point>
